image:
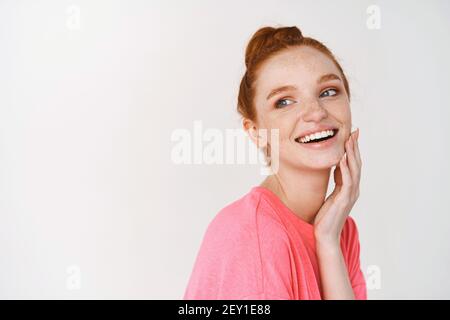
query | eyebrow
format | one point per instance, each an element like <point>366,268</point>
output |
<point>324,78</point>
<point>280,89</point>
<point>327,77</point>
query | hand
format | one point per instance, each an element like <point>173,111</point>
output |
<point>331,217</point>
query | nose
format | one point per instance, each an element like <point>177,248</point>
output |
<point>314,112</point>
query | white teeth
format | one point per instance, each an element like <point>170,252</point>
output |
<point>316,135</point>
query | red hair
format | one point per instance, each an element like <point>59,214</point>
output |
<point>265,43</point>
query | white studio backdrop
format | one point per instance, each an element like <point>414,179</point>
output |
<point>92,204</point>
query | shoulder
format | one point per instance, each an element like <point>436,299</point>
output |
<point>350,230</point>
<point>243,225</point>
<point>245,217</point>
<point>243,248</point>
<point>352,257</point>
<point>350,238</point>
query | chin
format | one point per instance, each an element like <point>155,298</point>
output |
<point>322,164</point>
<point>311,164</point>
<point>305,159</point>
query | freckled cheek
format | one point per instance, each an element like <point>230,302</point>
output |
<point>287,126</point>
<point>283,138</point>
<point>341,112</point>
<point>283,123</point>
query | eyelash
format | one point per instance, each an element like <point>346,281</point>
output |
<point>278,101</point>
<point>334,89</point>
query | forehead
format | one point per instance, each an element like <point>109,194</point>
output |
<point>301,65</point>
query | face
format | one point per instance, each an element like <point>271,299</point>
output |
<point>301,92</point>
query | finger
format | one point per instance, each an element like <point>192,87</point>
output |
<point>357,153</point>
<point>353,165</point>
<point>346,178</point>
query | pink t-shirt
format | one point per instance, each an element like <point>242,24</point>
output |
<point>257,248</point>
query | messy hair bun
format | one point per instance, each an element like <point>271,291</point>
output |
<point>267,40</point>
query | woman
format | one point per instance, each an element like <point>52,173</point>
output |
<point>284,239</point>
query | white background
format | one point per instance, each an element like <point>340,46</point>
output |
<point>89,193</point>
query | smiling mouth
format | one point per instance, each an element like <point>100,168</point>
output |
<point>317,137</point>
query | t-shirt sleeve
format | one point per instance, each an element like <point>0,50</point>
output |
<point>227,265</point>
<point>353,260</point>
<point>243,259</point>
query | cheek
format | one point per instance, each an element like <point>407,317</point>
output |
<point>285,124</point>
<point>341,112</point>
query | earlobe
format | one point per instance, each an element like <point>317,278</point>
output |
<point>251,130</point>
<point>258,136</point>
<point>253,133</point>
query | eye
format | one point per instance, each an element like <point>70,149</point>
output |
<point>284,102</point>
<point>329,92</point>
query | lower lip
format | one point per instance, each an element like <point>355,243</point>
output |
<point>321,144</point>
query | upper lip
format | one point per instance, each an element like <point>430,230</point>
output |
<point>316,129</point>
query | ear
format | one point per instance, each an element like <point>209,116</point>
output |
<point>259,137</point>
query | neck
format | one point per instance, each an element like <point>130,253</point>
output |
<point>302,191</point>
